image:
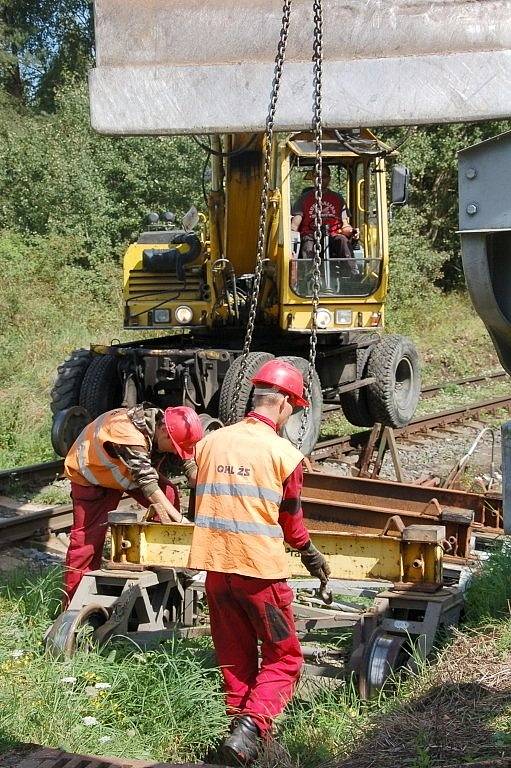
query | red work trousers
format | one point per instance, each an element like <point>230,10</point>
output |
<point>244,610</point>
<point>91,505</point>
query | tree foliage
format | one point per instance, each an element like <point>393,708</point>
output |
<point>42,42</point>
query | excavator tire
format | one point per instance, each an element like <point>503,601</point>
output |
<point>65,392</point>
<point>292,427</point>
<point>252,364</point>
<point>101,388</point>
<point>354,404</point>
<point>394,395</point>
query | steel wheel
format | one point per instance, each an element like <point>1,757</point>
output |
<point>73,630</point>
<point>385,655</point>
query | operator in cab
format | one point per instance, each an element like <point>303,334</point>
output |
<point>249,481</point>
<point>121,452</point>
<point>334,215</point>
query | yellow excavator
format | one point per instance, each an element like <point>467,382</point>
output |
<point>274,94</point>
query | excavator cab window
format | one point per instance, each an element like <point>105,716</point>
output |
<point>351,267</point>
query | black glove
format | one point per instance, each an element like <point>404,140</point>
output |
<point>315,562</point>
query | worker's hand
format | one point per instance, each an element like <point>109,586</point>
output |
<point>315,562</point>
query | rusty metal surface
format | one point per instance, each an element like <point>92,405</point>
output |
<point>44,757</point>
<point>359,505</point>
<point>186,66</point>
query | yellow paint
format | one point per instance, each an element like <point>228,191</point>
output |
<point>351,556</point>
<point>231,233</point>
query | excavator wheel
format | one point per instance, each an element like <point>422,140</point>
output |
<point>66,427</point>
<point>354,404</point>
<point>73,630</point>
<point>251,365</point>
<point>65,392</point>
<point>393,397</point>
<point>291,429</point>
<point>101,388</point>
<point>209,423</point>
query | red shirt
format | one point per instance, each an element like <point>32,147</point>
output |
<point>332,208</point>
<point>290,510</point>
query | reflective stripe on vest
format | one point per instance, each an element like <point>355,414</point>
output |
<point>103,458</point>
<point>89,459</point>
<point>239,490</point>
<point>236,526</point>
<point>241,471</point>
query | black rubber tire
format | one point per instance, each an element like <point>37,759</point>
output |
<point>313,426</point>
<point>354,404</point>
<point>394,363</point>
<point>65,392</point>
<point>101,388</point>
<point>65,428</point>
<point>252,364</point>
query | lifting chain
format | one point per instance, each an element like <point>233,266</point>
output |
<point>317,60</point>
<point>261,237</point>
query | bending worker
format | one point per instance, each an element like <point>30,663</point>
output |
<point>248,489</point>
<point>118,453</point>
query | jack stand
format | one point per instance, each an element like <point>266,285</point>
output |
<point>380,439</point>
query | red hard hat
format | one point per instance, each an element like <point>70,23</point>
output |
<point>184,429</point>
<point>283,376</point>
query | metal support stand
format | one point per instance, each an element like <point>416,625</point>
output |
<point>380,439</point>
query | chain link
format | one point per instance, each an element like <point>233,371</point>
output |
<point>317,59</point>
<point>263,213</point>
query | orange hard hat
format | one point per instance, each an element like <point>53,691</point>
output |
<point>184,429</point>
<point>285,378</point>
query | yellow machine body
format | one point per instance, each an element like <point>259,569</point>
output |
<point>229,243</point>
<point>414,557</point>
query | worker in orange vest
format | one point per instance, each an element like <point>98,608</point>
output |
<point>249,481</point>
<point>118,453</point>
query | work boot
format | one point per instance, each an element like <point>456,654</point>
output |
<point>242,745</point>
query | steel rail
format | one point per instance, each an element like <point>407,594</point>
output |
<point>40,523</point>
<point>331,446</point>
<point>51,470</point>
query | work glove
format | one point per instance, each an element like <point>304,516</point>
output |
<point>315,562</point>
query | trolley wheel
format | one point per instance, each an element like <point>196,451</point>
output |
<point>66,426</point>
<point>74,630</point>
<point>386,654</point>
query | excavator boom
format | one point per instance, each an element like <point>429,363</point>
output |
<point>186,66</point>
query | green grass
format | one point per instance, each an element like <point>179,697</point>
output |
<point>167,704</point>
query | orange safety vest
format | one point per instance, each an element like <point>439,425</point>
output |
<point>241,470</point>
<point>88,463</point>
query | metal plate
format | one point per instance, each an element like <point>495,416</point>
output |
<point>185,66</point>
<point>56,758</point>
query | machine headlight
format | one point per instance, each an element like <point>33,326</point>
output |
<point>343,317</point>
<point>323,318</point>
<point>184,314</point>
<point>161,315</point>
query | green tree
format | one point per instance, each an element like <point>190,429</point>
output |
<point>41,43</point>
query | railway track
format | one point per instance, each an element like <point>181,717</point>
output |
<point>348,443</point>
<point>54,519</point>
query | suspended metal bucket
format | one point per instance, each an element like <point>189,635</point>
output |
<point>189,66</point>
<point>484,179</point>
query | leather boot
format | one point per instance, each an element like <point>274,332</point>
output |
<point>241,747</point>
